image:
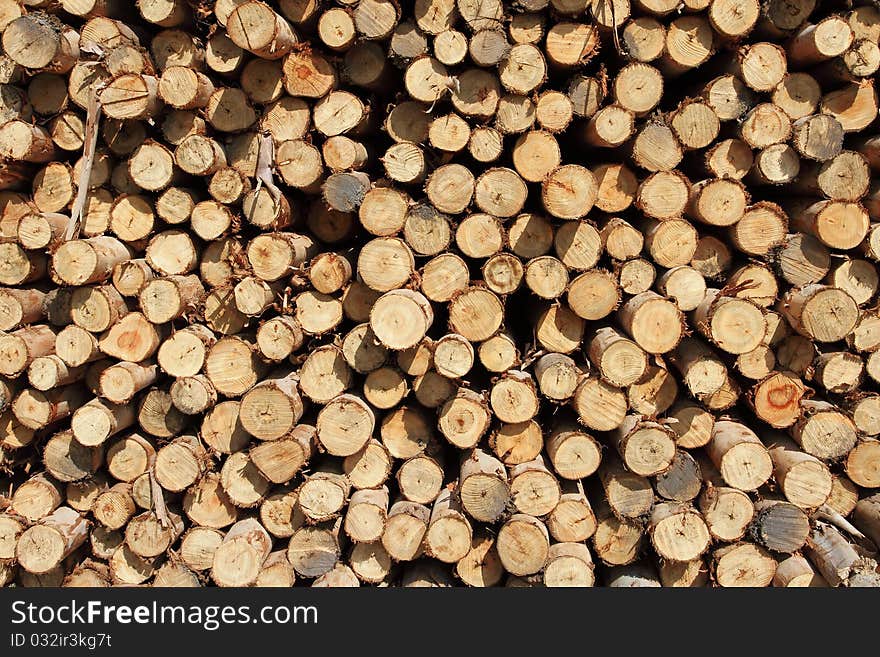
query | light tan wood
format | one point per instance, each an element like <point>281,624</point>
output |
<point>740,455</point>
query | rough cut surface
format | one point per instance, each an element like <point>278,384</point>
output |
<point>439,293</point>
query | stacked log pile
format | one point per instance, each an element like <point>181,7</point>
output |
<point>439,292</point>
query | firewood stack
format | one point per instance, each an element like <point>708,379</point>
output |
<point>439,292</point>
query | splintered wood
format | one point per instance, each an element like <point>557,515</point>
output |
<point>439,293</point>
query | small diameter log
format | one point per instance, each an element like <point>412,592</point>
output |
<point>702,370</point>
<point>616,541</point>
<point>534,490</point>
<point>207,505</point>
<point>164,299</point>
<point>242,481</point>
<point>513,397</point>
<point>832,555</point>
<point>315,550</point>
<point>779,526</point>
<point>838,372</point>
<point>43,546</point>
<point>323,495</point>
<point>405,529</point>
<point>80,262</point>
<point>180,463</point>
<point>119,383</point>
<point>523,545</point>
<point>81,495</point>
<point>184,353</point>
<point>130,457</point>
<point>557,376</point>
<point>253,26</point>
<point>232,366</point>
<point>36,498</point>
<point>823,430</point>
<point>95,422</point>
<point>20,348</point>
<point>98,308</point>
<point>718,202</point>
<point>740,456</point>
<point>647,448</point>
<point>837,224</point>
<point>483,486</point>
<point>278,338</point>
<point>345,425</point>
<point>132,339</point>
<point>743,564</point>
<point>678,532</point>
<point>866,516</point>
<point>400,318</point>
<point>865,413</point>
<point>36,410</point>
<point>620,361</point>
<point>129,277</point>
<point>735,325</point>
<point>114,507</point>
<point>369,467</point>
<point>861,464</point>
<point>573,518</point>
<point>464,419</point>
<point>449,534</point>
<point>453,356</point>
<point>818,42</point>
<point>682,481</point>
<point>776,399</point>
<point>366,515</point>
<point>628,495</point>
<point>19,307</point>
<point>67,460</point>
<point>280,460</point>
<point>516,443</point>
<point>239,558</point>
<point>157,415</point>
<point>796,571</point>
<point>652,321</point>
<point>272,408</point>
